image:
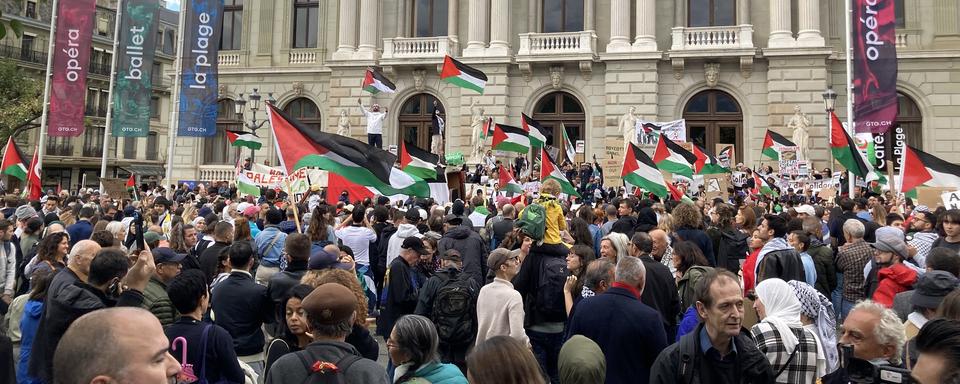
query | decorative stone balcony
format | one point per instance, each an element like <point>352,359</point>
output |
<point>420,50</point>
<point>228,59</point>
<point>217,173</point>
<point>572,46</point>
<point>303,56</point>
<point>732,39</point>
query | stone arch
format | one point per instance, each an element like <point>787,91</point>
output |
<point>591,134</point>
<point>748,130</point>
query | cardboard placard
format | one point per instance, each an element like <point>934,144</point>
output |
<point>614,149</point>
<point>931,196</point>
<point>115,187</point>
<point>828,193</point>
<point>951,200</point>
<point>611,172</point>
<point>716,185</point>
<point>726,154</point>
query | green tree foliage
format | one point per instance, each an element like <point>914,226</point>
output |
<point>21,99</point>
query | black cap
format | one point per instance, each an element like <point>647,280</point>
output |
<point>163,255</point>
<point>453,219</point>
<point>415,244</point>
<point>412,214</point>
<point>932,287</point>
<point>163,201</point>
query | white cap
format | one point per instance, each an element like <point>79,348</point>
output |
<point>243,206</point>
<point>806,209</point>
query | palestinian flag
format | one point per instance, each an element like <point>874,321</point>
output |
<point>247,186</point>
<point>508,138</point>
<point>651,129</point>
<point>921,168</point>
<point>845,149</point>
<point>13,163</point>
<point>672,158</point>
<point>726,156</point>
<point>706,164</point>
<point>507,182</point>
<point>243,139</point>
<point>772,143</point>
<point>375,82</point>
<point>761,186</point>
<point>366,165</point>
<point>132,181</point>
<point>567,144</point>
<point>639,170</point>
<point>418,162</point>
<point>33,180</point>
<point>461,75</point>
<point>538,135</point>
<point>487,129</point>
<point>549,170</point>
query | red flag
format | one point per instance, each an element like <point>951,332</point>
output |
<point>132,181</point>
<point>33,179</point>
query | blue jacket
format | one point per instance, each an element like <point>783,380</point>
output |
<point>629,332</point>
<point>270,257</point>
<point>688,323</point>
<point>29,324</point>
<point>439,373</point>
<point>81,230</point>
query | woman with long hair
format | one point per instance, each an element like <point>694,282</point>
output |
<point>29,322</point>
<point>51,254</point>
<point>359,336</point>
<point>412,347</point>
<point>580,231</point>
<point>296,336</point>
<point>577,260</point>
<point>503,360</point>
<point>320,231</point>
<point>690,265</point>
<point>177,243</point>
<point>746,220</point>
<point>688,225</point>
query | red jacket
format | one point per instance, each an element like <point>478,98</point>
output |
<point>749,266</point>
<point>893,280</point>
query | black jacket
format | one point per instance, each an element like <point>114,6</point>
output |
<point>660,293</point>
<point>700,238</point>
<point>209,260</point>
<point>361,339</point>
<point>751,365</point>
<point>401,290</point>
<point>472,249</point>
<point>241,306</point>
<point>430,289</point>
<point>67,305</point>
<point>784,264</point>
<point>279,286</point>
<point>527,281</point>
<point>625,225</point>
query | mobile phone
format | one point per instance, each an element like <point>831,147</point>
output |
<point>138,224</point>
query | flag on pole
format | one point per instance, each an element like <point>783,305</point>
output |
<point>418,162</point>
<point>507,182</point>
<point>921,168</point>
<point>246,186</point>
<point>549,170</point>
<point>772,143</point>
<point>376,82</point>
<point>538,135</point>
<point>487,129</point>
<point>33,180</point>
<point>673,158</point>
<point>462,75</point>
<point>706,164</point>
<point>761,186</point>
<point>131,181</point>
<point>845,150</point>
<point>639,170</point>
<point>243,139</point>
<point>508,138</point>
<point>13,163</point>
<point>567,145</point>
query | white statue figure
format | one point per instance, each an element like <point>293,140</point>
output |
<point>476,126</point>
<point>343,124</point>
<point>628,126</point>
<point>801,135</point>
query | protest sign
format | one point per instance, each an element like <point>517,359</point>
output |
<point>649,132</point>
<point>716,185</point>
<point>611,172</point>
<point>613,149</point>
<point>115,187</point>
<point>726,155</point>
<point>738,179</point>
<point>789,165</point>
<point>951,200</point>
<point>931,196</point>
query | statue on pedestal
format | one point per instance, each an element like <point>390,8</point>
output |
<point>799,124</point>
<point>343,124</point>
<point>628,126</point>
<point>476,127</point>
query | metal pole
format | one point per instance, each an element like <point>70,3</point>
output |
<point>174,124</point>
<point>41,143</point>
<point>849,59</point>
<point>113,77</point>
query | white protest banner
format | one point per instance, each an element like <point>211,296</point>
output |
<point>951,200</point>
<point>739,179</point>
<point>648,132</point>
<point>789,165</point>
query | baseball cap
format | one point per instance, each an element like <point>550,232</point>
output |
<point>321,259</point>
<point>497,258</point>
<point>932,287</point>
<point>890,239</point>
<point>165,255</point>
<point>412,214</point>
<point>806,209</point>
<point>252,210</point>
<point>243,206</point>
<point>330,304</point>
<point>415,244</point>
<point>150,237</point>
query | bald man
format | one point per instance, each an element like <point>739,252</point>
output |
<point>136,349</point>
<point>78,266</point>
<point>662,251</point>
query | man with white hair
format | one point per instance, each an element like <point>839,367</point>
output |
<point>375,120</point>
<point>875,332</point>
<point>618,322</point>
<point>852,258</point>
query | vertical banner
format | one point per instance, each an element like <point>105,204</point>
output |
<point>198,84</point>
<point>138,42</point>
<point>71,55</point>
<point>874,65</point>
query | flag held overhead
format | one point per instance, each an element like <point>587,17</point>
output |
<point>376,82</point>
<point>243,139</point>
<point>462,75</point>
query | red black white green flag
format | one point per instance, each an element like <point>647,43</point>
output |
<point>706,164</point>
<point>375,82</point>
<point>13,163</point>
<point>845,150</point>
<point>508,138</point>
<point>921,168</point>
<point>418,162</point>
<point>507,182</point>
<point>639,170</point>
<point>549,170</point>
<point>772,143</point>
<point>538,135</point>
<point>462,75</point>
<point>243,139</point>
<point>673,158</point>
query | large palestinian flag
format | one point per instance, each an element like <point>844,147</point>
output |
<point>921,168</point>
<point>361,163</point>
<point>639,170</point>
<point>418,162</point>
<point>706,164</point>
<point>673,158</point>
<point>845,149</point>
<point>507,182</point>
<point>243,139</point>
<point>509,138</point>
<point>538,135</point>
<point>247,186</point>
<point>761,186</point>
<point>462,75</point>
<point>375,82</point>
<point>550,170</point>
<point>772,143</point>
<point>13,163</point>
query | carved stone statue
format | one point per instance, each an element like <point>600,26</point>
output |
<point>556,76</point>
<point>799,124</point>
<point>418,75</point>
<point>476,125</point>
<point>628,126</point>
<point>711,73</point>
<point>343,124</point>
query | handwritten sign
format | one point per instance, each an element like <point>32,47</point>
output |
<point>739,179</point>
<point>951,200</point>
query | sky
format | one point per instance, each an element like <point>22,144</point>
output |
<point>173,5</point>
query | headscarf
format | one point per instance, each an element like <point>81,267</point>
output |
<point>818,307</point>
<point>581,361</point>
<point>782,309</point>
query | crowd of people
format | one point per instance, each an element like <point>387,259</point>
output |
<point>200,285</point>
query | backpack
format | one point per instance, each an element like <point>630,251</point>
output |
<point>549,296</point>
<point>733,248</point>
<point>453,310</point>
<point>328,376</point>
<point>533,222</point>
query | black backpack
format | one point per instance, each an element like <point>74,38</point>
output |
<point>327,376</point>
<point>453,309</point>
<point>733,248</point>
<point>549,296</point>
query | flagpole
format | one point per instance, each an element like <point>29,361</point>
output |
<point>41,143</point>
<point>113,77</point>
<point>851,178</point>
<point>174,123</point>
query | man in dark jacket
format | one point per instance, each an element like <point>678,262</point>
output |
<point>618,322</point>
<point>210,258</point>
<point>103,289</point>
<point>471,247</point>
<point>401,286</point>
<point>450,275</point>
<point>297,249</point>
<point>660,292</point>
<point>544,325</point>
<point>836,223</point>
<point>82,229</point>
<point>384,229</point>
<point>719,350</point>
<point>241,306</point>
<point>626,223</point>
<point>777,259</point>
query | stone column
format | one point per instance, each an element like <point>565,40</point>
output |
<point>646,40</point>
<point>589,15</point>
<point>402,19</point>
<point>780,34</point>
<point>680,13</point>
<point>453,18</point>
<point>808,35</point>
<point>370,16</point>
<point>347,38</point>
<point>499,28</point>
<point>743,12</point>
<point>619,26</point>
<point>477,28</point>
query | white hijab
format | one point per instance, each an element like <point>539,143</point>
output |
<point>782,309</point>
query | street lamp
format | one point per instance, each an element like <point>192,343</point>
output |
<point>253,99</point>
<point>829,102</point>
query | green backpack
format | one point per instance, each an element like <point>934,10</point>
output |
<point>533,221</point>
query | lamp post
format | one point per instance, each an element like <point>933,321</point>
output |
<point>829,102</point>
<point>253,99</point>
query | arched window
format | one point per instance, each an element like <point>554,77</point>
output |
<point>416,120</point>
<point>430,18</point>
<point>711,13</point>
<point>306,111</point>
<point>216,149</point>
<point>562,16</point>
<point>714,119</point>
<point>559,110</point>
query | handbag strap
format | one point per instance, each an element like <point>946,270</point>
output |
<point>789,360</point>
<point>203,349</point>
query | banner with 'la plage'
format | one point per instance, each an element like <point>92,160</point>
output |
<point>198,63</point>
